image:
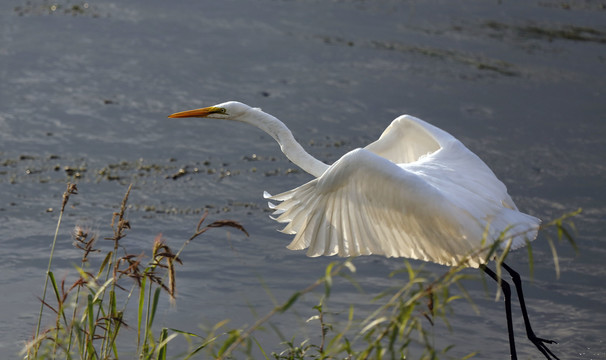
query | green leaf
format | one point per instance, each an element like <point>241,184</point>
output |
<point>101,291</point>
<point>105,262</point>
<point>60,304</point>
<point>570,239</point>
<point>91,317</point>
<point>530,258</point>
<point>374,323</point>
<point>51,276</point>
<point>233,336</point>
<point>153,308</point>
<point>260,348</point>
<point>290,302</point>
<point>328,279</point>
<point>187,333</point>
<point>163,342</point>
<point>200,347</point>
<point>140,309</point>
<point>554,252</point>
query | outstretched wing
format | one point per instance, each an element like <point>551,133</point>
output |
<point>409,139</point>
<point>366,204</point>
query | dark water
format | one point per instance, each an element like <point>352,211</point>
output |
<point>86,87</point>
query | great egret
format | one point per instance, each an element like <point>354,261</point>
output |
<point>416,192</point>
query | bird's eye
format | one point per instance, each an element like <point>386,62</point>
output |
<point>223,111</point>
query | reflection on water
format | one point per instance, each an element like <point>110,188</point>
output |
<point>87,87</point>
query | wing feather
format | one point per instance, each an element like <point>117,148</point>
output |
<point>407,139</point>
<point>365,204</point>
<point>416,192</point>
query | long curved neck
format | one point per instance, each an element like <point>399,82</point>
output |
<point>289,146</point>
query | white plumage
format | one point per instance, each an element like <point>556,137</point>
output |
<point>416,192</point>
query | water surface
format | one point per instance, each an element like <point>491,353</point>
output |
<point>86,89</point>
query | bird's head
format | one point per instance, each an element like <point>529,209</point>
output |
<point>230,110</point>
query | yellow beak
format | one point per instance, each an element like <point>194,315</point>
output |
<point>204,112</point>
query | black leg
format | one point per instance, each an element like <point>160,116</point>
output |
<point>507,295</point>
<point>537,341</point>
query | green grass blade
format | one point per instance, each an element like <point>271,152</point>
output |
<point>60,311</point>
<point>162,345</point>
<point>290,302</point>
<point>90,312</point>
<point>554,253</point>
<point>113,324</point>
<point>90,307</point>
<point>530,258</point>
<point>140,310</point>
<point>200,347</point>
<point>101,291</point>
<point>154,307</point>
<point>51,276</point>
<point>48,270</point>
<point>328,279</point>
<point>260,348</point>
<point>186,333</point>
<point>104,263</point>
<point>233,336</point>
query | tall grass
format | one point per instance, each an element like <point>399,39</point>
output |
<point>89,314</point>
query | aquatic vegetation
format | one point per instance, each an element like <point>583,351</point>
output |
<point>90,314</point>
<point>550,32</point>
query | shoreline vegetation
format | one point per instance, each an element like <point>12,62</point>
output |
<point>91,314</point>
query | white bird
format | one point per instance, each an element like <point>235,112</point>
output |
<point>416,192</point>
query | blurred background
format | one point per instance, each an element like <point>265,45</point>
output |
<point>85,88</point>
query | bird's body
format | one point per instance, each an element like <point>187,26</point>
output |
<point>416,192</point>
